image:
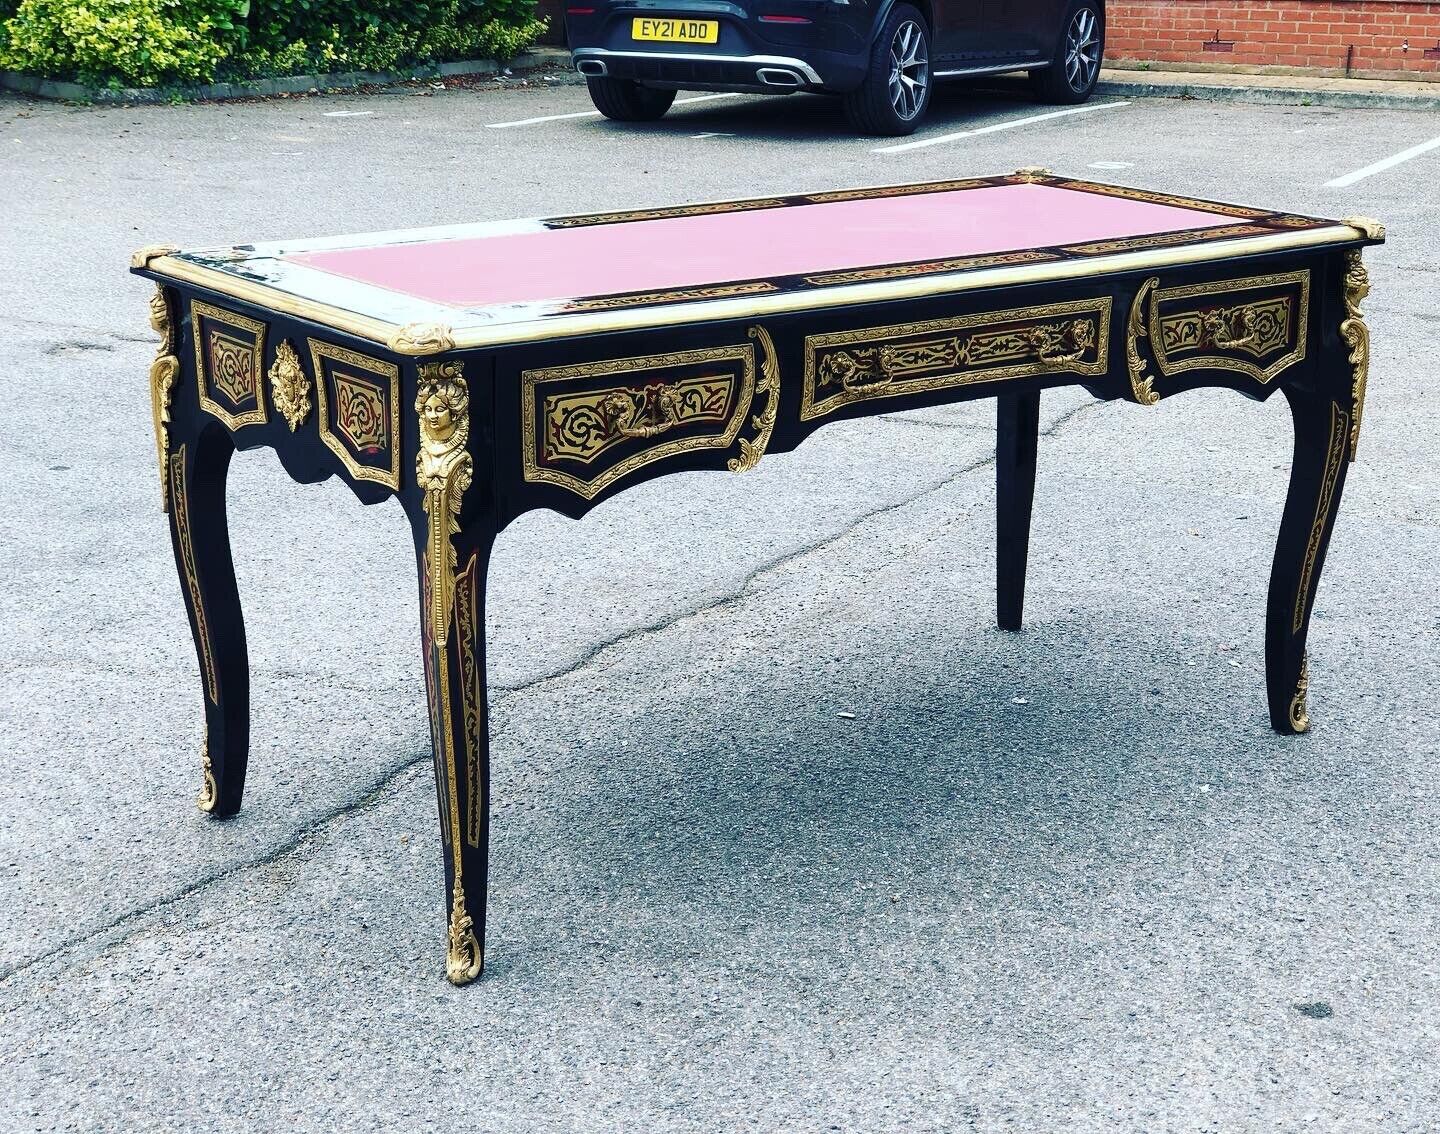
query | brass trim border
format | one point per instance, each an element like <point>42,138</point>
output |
<point>1334,460</point>
<point>233,421</point>
<point>530,380</point>
<point>813,407</point>
<point>319,352</point>
<point>180,500</point>
<point>1291,357</point>
<point>745,307</point>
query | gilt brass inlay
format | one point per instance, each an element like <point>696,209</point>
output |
<point>1334,460</point>
<point>910,358</point>
<point>1164,239</point>
<point>289,388</point>
<point>472,696</point>
<point>579,425</point>
<point>677,295</point>
<point>163,372</point>
<point>229,359</point>
<point>929,267</point>
<point>1153,197</point>
<point>707,208</point>
<point>464,958</point>
<point>898,190</point>
<point>180,500</point>
<point>365,417</point>
<point>1259,327</point>
<point>1357,337</point>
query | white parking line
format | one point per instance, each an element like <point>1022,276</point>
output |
<point>904,147</point>
<point>595,113</point>
<point>348,113</point>
<point>1381,166</point>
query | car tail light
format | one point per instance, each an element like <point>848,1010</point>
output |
<point>784,20</point>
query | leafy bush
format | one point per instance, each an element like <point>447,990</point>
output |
<point>143,42</point>
<point>154,42</point>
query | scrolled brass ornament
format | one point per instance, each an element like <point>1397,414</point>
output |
<point>1356,334</point>
<point>209,790</point>
<point>1142,385</point>
<point>464,959</point>
<point>289,387</point>
<point>1299,715</point>
<point>163,372</point>
<point>763,423</point>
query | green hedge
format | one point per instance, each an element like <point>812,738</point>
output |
<point>158,42</point>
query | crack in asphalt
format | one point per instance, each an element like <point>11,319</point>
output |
<point>391,779</point>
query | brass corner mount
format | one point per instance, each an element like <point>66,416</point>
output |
<point>141,257</point>
<point>422,338</point>
<point>1371,227</point>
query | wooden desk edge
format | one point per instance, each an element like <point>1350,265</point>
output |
<point>157,262</point>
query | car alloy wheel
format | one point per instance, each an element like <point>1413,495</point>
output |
<point>1082,50</point>
<point>909,70</point>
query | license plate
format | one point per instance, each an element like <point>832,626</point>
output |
<point>675,31</point>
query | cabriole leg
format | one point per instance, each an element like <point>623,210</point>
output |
<point>195,471</point>
<point>1016,443</point>
<point>459,727</point>
<point>1317,477</point>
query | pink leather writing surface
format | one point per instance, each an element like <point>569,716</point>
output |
<point>651,255</point>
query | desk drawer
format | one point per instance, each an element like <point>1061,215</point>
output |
<point>589,424</point>
<point>845,367</point>
<point>1256,326</point>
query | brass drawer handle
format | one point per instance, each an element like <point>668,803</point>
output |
<point>1219,326</point>
<point>625,413</point>
<point>1063,344</point>
<point>870,370</point>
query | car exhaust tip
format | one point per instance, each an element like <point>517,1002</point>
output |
<point>779,77</point>
<point>594,68</point>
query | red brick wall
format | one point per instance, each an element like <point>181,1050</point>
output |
<point>1299,35</point>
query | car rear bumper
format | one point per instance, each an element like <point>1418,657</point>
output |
<point>823,45</point>
<point>689,68</point>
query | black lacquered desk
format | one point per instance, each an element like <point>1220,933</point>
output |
<point>480,371</point>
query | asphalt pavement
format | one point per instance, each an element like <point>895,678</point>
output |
<point>787,836</point>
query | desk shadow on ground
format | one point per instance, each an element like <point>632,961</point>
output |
<point>991,788</point>
<point>700,869</point>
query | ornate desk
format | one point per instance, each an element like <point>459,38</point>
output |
<point>479,371</point>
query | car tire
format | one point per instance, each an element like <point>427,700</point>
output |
<point>625,100</point>
<point>896,91</point>
<point>1075,68</point>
